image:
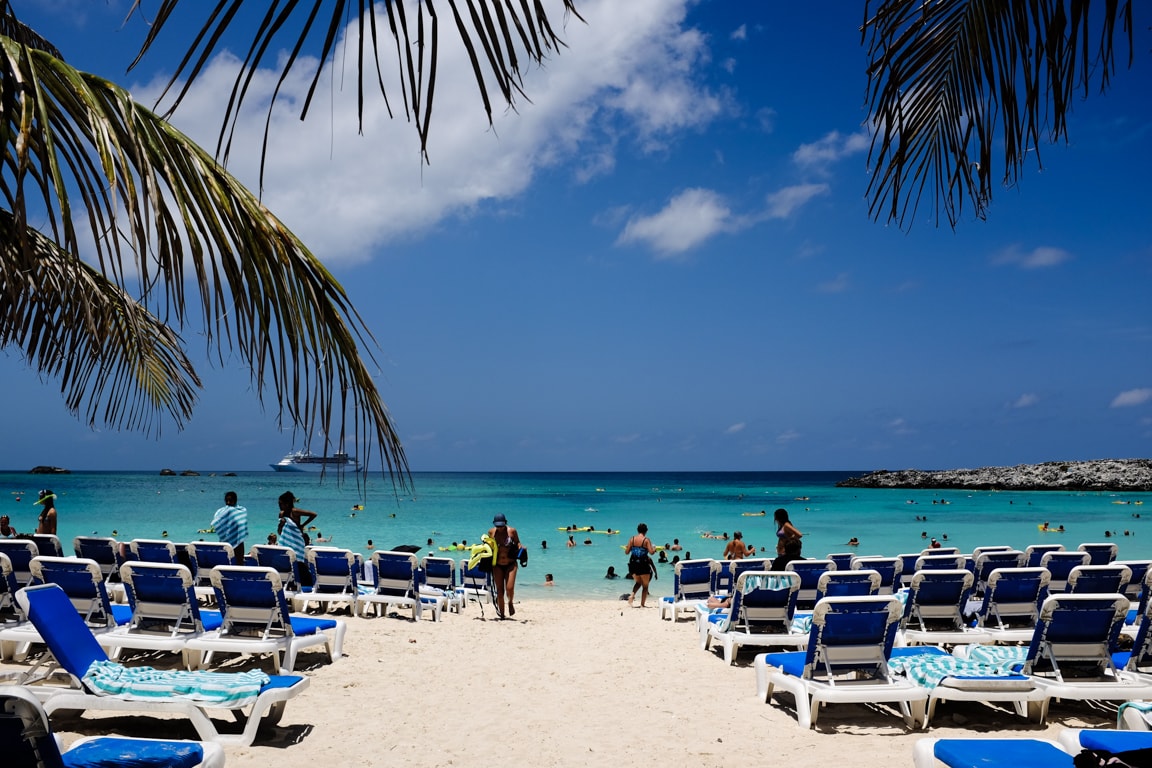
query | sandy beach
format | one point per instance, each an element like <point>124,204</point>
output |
<point>579,683</point>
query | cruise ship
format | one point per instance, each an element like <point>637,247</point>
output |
<point>306,461</point>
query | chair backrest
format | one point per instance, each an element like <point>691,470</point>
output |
<point>439,572</point>
<point>1139,569</point>
<point>857,583</point>
<point>48,544</point>
<point>103,550</point>
<point>937,563</point>
<point>764,602</point>
<point>162,597</point>
<point>474,581</point>
<point>722,576</point>
<point>26,736</point>
<point>82,581</point>
<point>251,597</point>
<point>887,567</point>
<point>1140,659</point>
<point>334,569</point>
<point>1013,597</point>
<point>749,564</point>
<point>209,554</point>
<point>842,560</point>
<point>940,551</point>
<point>907,566</point>
<point>20,553</point>
<point>67,636</point>
<point>1075,636</point>
<point>937,598</point>
<point>1101,554</point>
<point>809,572</point>
<point>1035,553</point>
<point>153,551</point>
<point>977,551</point>
<point>988,561</point>
<point>1060,565</point>
<point>280,559</point>
<point>395,573</point>
<point>692,579</point>
<point>8,585</point>
<point>1098,579</point>
<point>852,634</point>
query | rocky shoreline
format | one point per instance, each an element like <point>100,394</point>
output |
<point>1099,475</point>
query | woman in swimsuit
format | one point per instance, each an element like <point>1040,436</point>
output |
<point>504,569</point>
<point>640,550</point>
<point>46,522</point>
<point>785,531</point>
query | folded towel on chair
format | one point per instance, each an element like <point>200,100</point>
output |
<point>930,669</point>
<point>223,689</point>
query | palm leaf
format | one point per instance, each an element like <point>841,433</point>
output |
<point>950,80</point>
<point>495,34</point>
<point>174,241</point>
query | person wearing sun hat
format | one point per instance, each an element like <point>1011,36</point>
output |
<point>504,569</point>
<point>46,522</point>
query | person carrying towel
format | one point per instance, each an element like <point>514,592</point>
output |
<point>507,559</point>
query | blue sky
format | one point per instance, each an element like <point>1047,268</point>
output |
<point>665,262</point>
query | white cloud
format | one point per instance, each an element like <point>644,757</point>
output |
<point>899,426</point>
<point>782,204</point>
<point>838,284</point>
<point>740,33</point>
<point>628,76</point>
<point>787,436</point>
<point>1041,257</point>
<point>626,439</point>
<point>1132,397</point>
<point>1027,400</point>
<point>832,147</point>
<point>737,427</point>
<point>766,117</point>
<point>689,219</point>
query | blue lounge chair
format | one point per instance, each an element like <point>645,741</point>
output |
<point>395,584</point>
<point>78,653</point>
<point>934,610</point>
<point>846,661</point>
<point>475,583</point>
<point>1100,554</point>
<point>1035,553</point>
<point>335,575</point>
<point>1098,580</point>
<point>761,613</point>
<point>255,620</point>
<point>990,753</point>
<point>1011,603</point>
<point>47,545</point>
<point>809,572</point>
<point>843,560</point>
<point>691,585</point>
<point>858,583</point>
<point>1135,590</point>
<point>1060,565</point>
<point>722,577</point>
<point>20,553</point>
<point>937,563</point>
<point>887,567</point>
<point>165,612</point>
<point>83,582</point>
<point>14,640</point>
<point>280,559</point>
<point>27,741</point>
<point>104,551</point>
<point>1105,739</point>
<point>986,562</point>
<point>207,555</point>
<point>440,574</point>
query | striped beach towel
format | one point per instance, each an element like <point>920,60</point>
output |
<point>927,670</point>
<point>1003,655</point>
<point>231,525</point>
<point>222,689</point>
<point>292,537</point>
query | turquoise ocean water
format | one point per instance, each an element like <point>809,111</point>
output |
<point>451,507</point>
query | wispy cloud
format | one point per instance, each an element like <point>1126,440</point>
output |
<point>899,426</point>
<point>785,202</point>
<point>740,33</point>
<point>838,284</point>
<point>788,436</point>
<point>834,146</point>
<point>1027,400</point>
<point>737,427</point>
<point>1041,257</point>
<point>1132,397</point>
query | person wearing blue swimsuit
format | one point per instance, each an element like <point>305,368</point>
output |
<point>785,531</point>
<point>640,550</point>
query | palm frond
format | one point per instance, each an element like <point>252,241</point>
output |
<point>168,226</point>
<point>495,33</point>
<point>950,80</point>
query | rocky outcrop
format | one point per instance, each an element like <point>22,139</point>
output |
<point>1100,475</point>
<point>45,470</point>
<point>167,472</point>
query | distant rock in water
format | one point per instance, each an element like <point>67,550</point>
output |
<point>44,470</point>
<point>1100,475</point>
<point>168,473</point>
<point>189,473</point>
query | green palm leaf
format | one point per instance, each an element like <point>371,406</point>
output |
<point>949,80</point>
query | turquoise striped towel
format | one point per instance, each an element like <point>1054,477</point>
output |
<point>223,689</point>
<point>1144,707</point>
<point>929,669</point>
<point>1007,655</point>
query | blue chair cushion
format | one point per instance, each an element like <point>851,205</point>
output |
<point>306,625</point>
<point>1115,741</point>
<point>112,752</point>
<point>790,662</point>
<point>994,753</point>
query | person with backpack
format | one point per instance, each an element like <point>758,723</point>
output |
<point>504,568</point>
<point>640,550</point>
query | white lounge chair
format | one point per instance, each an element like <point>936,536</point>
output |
<point>335,576</point>
<point>395,585</point>
<point>691,584</point>
<point>761,613</point>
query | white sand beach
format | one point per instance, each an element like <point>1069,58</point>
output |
<point>567,683</point>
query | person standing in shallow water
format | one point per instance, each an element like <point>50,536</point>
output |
<point>785,531</point>
<point>231,525</point>
<point>46,522</point>
<point>291,532</point>
<point>640,551</point>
